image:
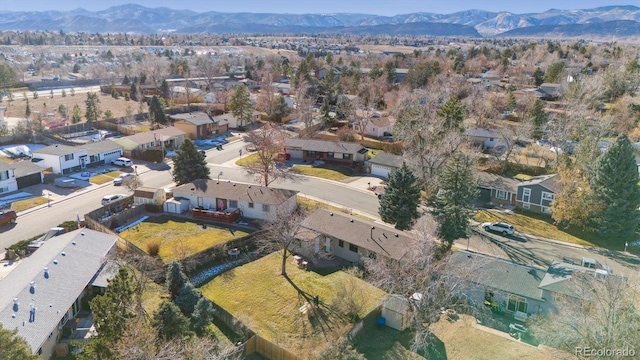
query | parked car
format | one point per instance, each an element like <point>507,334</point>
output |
<point>499,227</point>
<point>122,161</point>
<point>595,264</point>
<point>121,178</point>
<point>111,198</point>
<point>7,217</point>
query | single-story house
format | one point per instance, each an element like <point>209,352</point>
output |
<point>62,159</point>
<point>48,289</point>
<point>171,136</point>
<point>377,126</point>
<point>148,195</point>
<point>383,163</point>
<point>350,238</point>
<point>550,91</point>
<point>27,174</point>
<point>497,189</point>
<point>256,202</point>
<point>482,137</point>
<point>8,182</point>
<point>537,193</point>
<point>325,150</point>
<point>501,283</point>
<point>199,125</point>
<point>103,152</point>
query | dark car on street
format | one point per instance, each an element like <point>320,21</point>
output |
<point>7,217</point>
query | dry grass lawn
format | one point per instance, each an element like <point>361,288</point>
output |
<point>335,173</point>
<point>262,299</point>
<point>22,205</point>
<point>104,178</point>
<point>462,340</point>
<point>178,238</point>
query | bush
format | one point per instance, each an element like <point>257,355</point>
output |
<point>153,248</point>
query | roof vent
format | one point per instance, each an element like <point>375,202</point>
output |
<point>249,186</point>
<point>46,273</point>
<point>63,253</point>
<point>396,235</point>
<point>32,287</point>
<point>73,242</point>
<point>372,227</point>
<point>330,214</point>
<point>16,304</point>
<point>82,233</point>
<point>55,262</point>
<point>234,184</point>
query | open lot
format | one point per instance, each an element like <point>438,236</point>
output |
<point>177,237</point>
<point>269,303</point>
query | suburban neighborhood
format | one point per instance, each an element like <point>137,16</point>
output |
<point>214,194</point>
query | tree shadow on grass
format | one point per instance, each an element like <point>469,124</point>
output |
<point>321,316</point>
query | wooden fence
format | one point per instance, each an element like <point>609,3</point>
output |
<point>271,351</point>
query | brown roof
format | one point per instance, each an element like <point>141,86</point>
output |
<point>148,136</point>
<point>324,145</point>
<point>145,192</point>
<point>375,237</point>
<point>231,190</point>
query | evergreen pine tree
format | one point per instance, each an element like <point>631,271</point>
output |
<point>510,101</point>
<point>176,279</point>
<point>92,112</point>
<point>126,80</point>
<point>454,203</point>
<point>164,89</point>
<point>452,113</point>
<point>189,165</point>
<point>156,112</point>
<point>615,185</point>
<point>240,104</point>
<point>538,118</point>
<point>170,322</point>
<point>15,347</point>
<point>202,315</point>
<point>399,204</point>
<point>76,114</point>
<point>538,76</point>
<point>187,298</point>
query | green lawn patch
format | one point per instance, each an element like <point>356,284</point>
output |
<point>522,177</point>
<point>330,172</point>
<point>268,303</point>
<point>537,226</point>
<point>22,205</point>
<point>178,238</point>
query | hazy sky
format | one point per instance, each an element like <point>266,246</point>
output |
<point>379,7</point>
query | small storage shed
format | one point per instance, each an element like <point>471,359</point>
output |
<point>396,311</point>
<point>176,205</point>
<point>148,195</point>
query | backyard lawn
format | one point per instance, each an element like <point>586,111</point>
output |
<point>268,303</point>
<point>535,226</point>
<point>177,238</point>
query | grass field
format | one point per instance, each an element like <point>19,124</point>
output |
<point>537,226</point>
<point>336,173</point>
<point>22,205</point>
<point>247,160</point>
<point>178,238</point>
<point>104,178</point>
<point>268,303</point>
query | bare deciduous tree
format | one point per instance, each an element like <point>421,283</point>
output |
<point>268,142</point>
<point>281,233</point>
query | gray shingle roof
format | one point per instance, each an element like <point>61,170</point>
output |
<point>481,132</point>
<point>551,182</point>
<point>194,118</point>
<point>497,273</point>
<point>235,191</point>
<point>386,159</point>
<point>148,136</point>
<point>498,182</point>
<point>54,295</point>
<point>58,150</point>
<point>100,147</point>
<point>382,239</point>
<point>23,168</point>
<point>323,145</point>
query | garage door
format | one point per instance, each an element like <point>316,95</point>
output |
<point>485,195</point>
<point>381,171</point>
<point>295,154</point>
<point>28,180</point>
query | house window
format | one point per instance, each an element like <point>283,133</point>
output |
<point>311,154</point>
<point>330,155</point>
<point>4,175</point>
<point>491,139</point>
<point>353,248</point>
<point>501,194</point>
<point>346,156</point>
<point>545,210</point>
<point>250,205</point>
<point>265,208</point>
<point>4,189</point>
<point>68,157</point>
<point>233,204</point>
<point>517,303</point>
<point>548,196</point>
<point>526,206</point>
<point>341,243</point>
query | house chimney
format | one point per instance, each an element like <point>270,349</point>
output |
<point>46,272</point>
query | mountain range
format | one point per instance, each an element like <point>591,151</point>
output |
<point>609,21</point>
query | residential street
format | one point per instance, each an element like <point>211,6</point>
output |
<point>520,248</point>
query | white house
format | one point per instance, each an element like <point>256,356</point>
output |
<point>169,137</point>
<point>484,138</point>
<point>8,181</point>
<point>256,202</point>
<point>376,126</point>
<point>62,159</point>
<point>46,290</point>
<point>103,152</point>
<point>148,195</point>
